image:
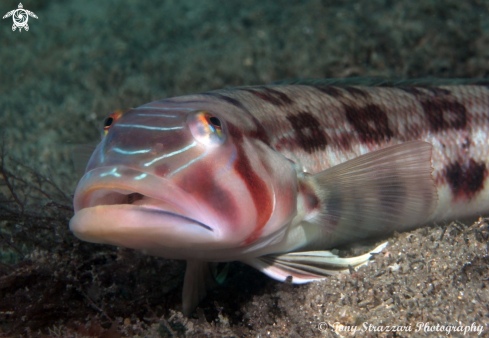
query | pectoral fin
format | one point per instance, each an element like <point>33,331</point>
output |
<point>198,279</point>
<point>387,190</point>
<point>308,266</point>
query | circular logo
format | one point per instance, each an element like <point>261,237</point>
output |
<point>323,326</point>
<point>20,17</point>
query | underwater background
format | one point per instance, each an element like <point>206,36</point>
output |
<point>81,60</point>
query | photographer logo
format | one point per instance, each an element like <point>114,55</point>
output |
<point>20,17</point>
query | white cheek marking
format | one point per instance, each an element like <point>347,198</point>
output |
<point>161,108</point>
<point>102,157</point>
<point>113,172</point>
<point>147,127</point>
<point>140,177</point>
<point>170,154</point>
<point>188,164</point>
<point>158,115</point>
<point>129,152</point>
<point>230,163</point>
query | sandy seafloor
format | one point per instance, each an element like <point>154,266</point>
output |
<point>81,60</point>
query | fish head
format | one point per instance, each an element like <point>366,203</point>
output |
<point>184,178</point>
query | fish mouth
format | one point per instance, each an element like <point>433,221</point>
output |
<point>106,197</point>
<point>130,208</point>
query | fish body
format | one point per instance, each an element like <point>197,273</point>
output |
<point>275,175</point>
<point>321,126</point>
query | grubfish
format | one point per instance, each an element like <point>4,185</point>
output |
<point>274,176</point>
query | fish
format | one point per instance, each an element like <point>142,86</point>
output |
<point>277,175</point>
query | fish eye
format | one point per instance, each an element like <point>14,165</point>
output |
<point>206,128</point>
<point>215,121</point>
<point>109,121</point>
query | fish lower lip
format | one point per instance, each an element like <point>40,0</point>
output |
<point>151,209</point>
<point>141,227</point>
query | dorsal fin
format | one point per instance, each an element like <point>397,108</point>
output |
<point>383,82</point>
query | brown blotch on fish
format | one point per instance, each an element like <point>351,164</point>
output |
<point>370,122</point>
<point>310,135</point>
<point>444,114</point>
<point>356,91</point>
<point>466,180</point>
<point>439,91</point>
<point>259,133</point>
<point>343,141</point>
<point>282,96</point>
<point>411,90</point>
<point>269,95</point>
<point>227,99</point>
<point>330,90</point>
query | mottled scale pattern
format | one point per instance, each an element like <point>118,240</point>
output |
<point>319,126</point>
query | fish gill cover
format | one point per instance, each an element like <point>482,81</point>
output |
<point>82,60</point>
